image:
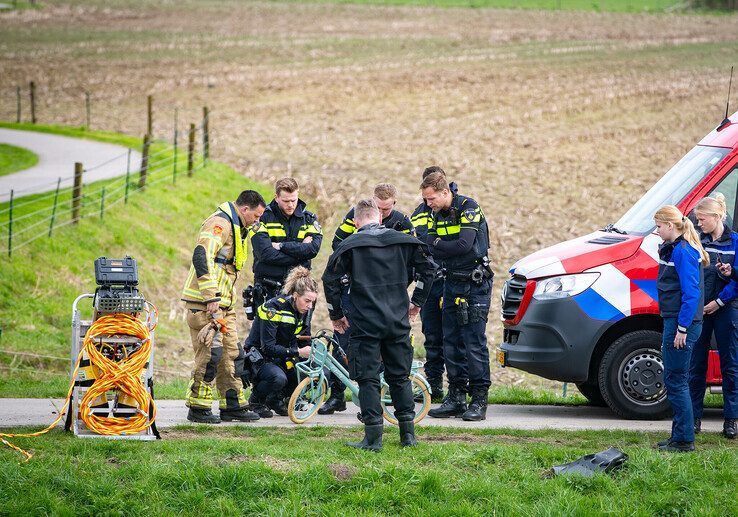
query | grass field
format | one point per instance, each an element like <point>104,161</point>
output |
<point>14,159</point>
<point>308,471</point>
<point>518,107</point>
<point>568,5</point>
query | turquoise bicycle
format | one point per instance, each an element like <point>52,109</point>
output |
<point>312,385</point>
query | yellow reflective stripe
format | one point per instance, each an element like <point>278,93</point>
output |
<point>276,232</point>
<point>448,230</point>
<point>420,220</point>
<point>276,316</point>
<point>347,228</point>
<point>407,230</point>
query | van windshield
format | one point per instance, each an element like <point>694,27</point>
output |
<point>671,188</point>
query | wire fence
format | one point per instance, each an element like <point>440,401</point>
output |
<point>27,217</point>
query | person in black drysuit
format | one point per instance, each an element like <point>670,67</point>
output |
<point>377,260</point>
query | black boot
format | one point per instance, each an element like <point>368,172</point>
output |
<point>453,405</point>
<point>678,447</point>
<point>436,386</point>
<point>372,439</point>
<point>239,415</point>
<point>261,409</point>
<point>334,403</point>
<point>407,434</point>
<point>202,416</point>
<point>697,425</point>
<point>478,407</point>
<point>278,405</point>
<point>729,428</point>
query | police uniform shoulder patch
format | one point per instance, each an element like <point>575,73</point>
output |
<point>256,226</point>
<point>316,224</point>
<point>469,214</point>
<point>270,313</point>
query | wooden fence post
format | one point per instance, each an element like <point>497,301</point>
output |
<point>150,115</point>
<point>102,203</point>
<point>53,210</point>
<point>32,89</point>
<point>87,109</point>
<point>205,134</point>
<point>176,138</point>
<point>10,225</point>
<point>128,176</point>
<point>144,162</point>
<point>18,104</point>
<point>191,150</point>
<point>77,192</point>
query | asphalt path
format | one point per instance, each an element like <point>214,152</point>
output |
<point>56,157</point>
<point>41,412</point>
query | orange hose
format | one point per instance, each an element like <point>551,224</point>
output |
<point>124,376</point>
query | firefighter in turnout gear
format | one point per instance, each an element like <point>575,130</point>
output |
<point>274,345</point>
<point>430,313</point>
<point>458,239</point>
<point>209,294</point>
<point>377,261</point>
<point>385,197</point>
<point>286,236</point>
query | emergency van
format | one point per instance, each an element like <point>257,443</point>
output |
<point>585,311</point>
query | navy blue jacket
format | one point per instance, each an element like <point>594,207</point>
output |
<point>275,329</point>
<point>680,283</point>
<point>718,287</point>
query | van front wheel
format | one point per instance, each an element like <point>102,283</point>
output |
<point>631,377</point>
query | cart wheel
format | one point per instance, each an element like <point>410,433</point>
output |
<point>420,391</point>
<point>306,399</point>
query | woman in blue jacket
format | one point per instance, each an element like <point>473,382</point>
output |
<point>720,314</point>
<point>681,299</point>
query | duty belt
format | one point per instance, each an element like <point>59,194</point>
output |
<point>219,260</point>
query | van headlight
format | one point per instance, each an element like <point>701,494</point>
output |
<point>563,286</point>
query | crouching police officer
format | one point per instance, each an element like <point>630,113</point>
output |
<point>385,197</point>
<point>458,240</point>
<point>430,313</point>
<point>273,344</point>
<point>286,236</point>
<point>377,260</point>
<point>209,294</point>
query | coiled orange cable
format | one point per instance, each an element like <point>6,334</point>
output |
<point>124,375</point>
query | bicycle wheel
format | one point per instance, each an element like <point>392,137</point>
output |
<point>420,390</point>
<point>306,400</point>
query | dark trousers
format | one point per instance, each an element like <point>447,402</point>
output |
<point>431,318</point>
<point>465,344</point>
<point>273,382</point>
<point>676,378</point>
<point>724,323</point>
<point>367,355</point>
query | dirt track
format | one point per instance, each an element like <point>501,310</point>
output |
<point>555,122</point>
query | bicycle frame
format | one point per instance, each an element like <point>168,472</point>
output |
<point>321,357</point>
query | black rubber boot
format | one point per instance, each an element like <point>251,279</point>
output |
<point>697,426</point>
<point>278,405</point>
<point>678,447</point>
<point>436,386</point>
<point>407,434</point>
<point>333,404</point>
<point>202,416</point>
<point>453,405</point>
<point>261,409</point>
<point>729,428</point>
<point>239,415</point>
<point>372,439</point>
<point>663,443</point>
<point>478,408</point>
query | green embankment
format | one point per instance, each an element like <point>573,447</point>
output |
<point>14,159</point>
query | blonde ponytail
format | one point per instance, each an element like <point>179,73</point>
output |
<point>299,281</point>
<point>714,206</point>
<point>683,225</point>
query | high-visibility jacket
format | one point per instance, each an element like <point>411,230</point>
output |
<point>396,221</point>
<point>219,255</point>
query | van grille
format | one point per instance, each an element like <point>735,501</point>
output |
<point>512,296</point>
